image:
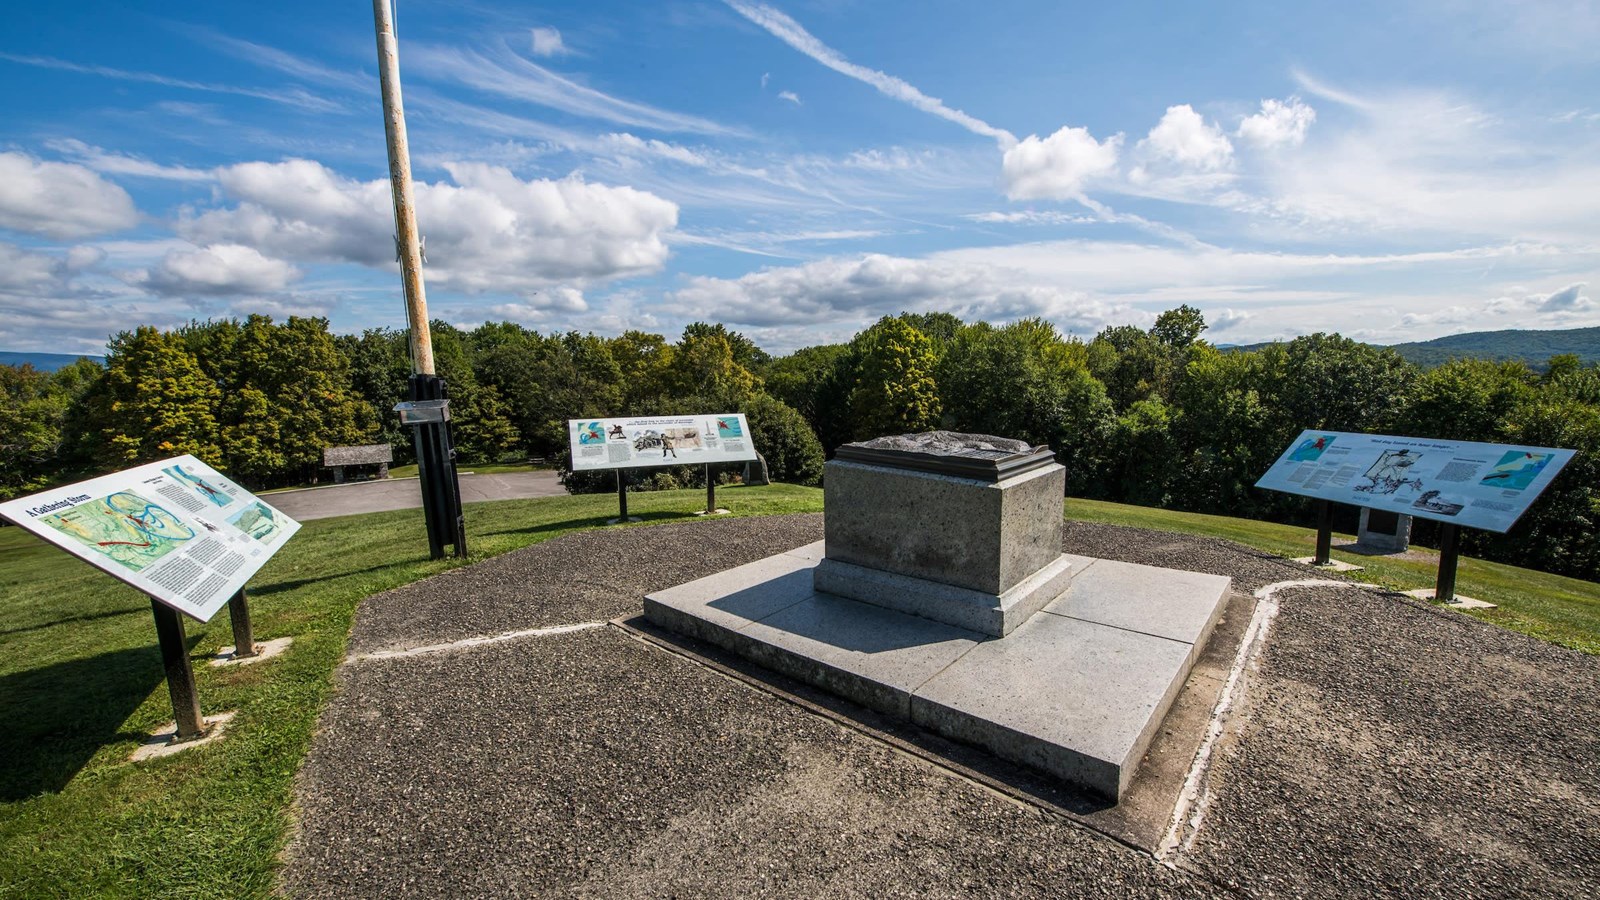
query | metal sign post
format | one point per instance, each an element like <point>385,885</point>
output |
<point>180,676</point>
<point>244,640</point>
<point>1324,533</point>
<point>622,496</point>
<point>711,492</point>
<point>1444,587</point>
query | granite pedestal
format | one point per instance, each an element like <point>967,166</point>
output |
<point>1077,691</point>
<point>961,529</point>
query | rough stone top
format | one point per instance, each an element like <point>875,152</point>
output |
<point>950,443</point>
<point>355,456</point>
<point>981,456</point>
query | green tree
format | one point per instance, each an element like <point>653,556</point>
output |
<point>784,439</point>
<point>706,368</point>
<point>34,407</point>
<point>894,390</point>
<point>154,402</point>
<point>797,379</point>
<point>1466,399</point>
<point>1025,381</point>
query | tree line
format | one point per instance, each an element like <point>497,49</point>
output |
<point>1154,416</point>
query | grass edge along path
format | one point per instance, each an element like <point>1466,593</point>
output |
<point>81,684</point>
<point>1555,608</point>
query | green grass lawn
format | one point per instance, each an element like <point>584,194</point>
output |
<point>81,683</point>
<point>1562,610</point>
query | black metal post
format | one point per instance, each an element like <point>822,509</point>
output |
<point>711,492</point>
<point>436,469</point>
<point>244,640</point>
<point>1444,589</point>
<point>1324,532</point>
<point>622,496</point>
<point>180,677</point>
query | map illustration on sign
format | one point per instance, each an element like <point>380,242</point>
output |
<point>199,484</point>
<point>1311,449</point>
<point>729,427</point>
<point>257,520</point>
<point>177,530</point>
<point>1516,470</point>
<point>124,527</point>
<point>1388,474</point>
<point>591,433</point>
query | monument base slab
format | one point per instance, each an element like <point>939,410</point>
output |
<point>1077,691</point>
<point>992,614</point>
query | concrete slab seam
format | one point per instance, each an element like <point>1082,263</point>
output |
<point>467,643</point>
<point>1195,798</point>
<point>1160,637</point>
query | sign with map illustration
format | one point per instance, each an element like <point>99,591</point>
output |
<point>1486,486</point>
<point>177,530</point>
<point>659,441</point>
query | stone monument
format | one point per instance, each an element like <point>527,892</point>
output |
<point>941,596</point>
<point>959,528</point>
<point>1383,532</point>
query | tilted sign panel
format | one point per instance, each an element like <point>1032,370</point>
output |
<point>659,441</point>
<point>177,530</point>
<point>1474,485</point>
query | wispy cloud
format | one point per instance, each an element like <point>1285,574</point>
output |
<point>298,97</point>
<point>790,96</point>
<point>785,29</point>
<point>506,74</point>
<point>102,160</point>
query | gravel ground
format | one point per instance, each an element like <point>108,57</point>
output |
<point>1389,749</point>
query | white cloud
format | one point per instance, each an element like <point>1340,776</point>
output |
<point>1060,166</point>
<point>765,77</point>
<point>60,200</point>
<point>843,290</point>
<point>1029,217</point>
<point>1431,165</point>
<point>1280,123</point>
<point>102,160</point>
<point>785,29</point>
<point>547,42</point>
<point>1226,318</point>
<point>1567,299</point>
<point>506,74</point>
<point>790,96</point>
<point>217,270</point>
<point>298,97</point>
<point>487,231</point>
<point>1184,139</point>
<point>23,269</point>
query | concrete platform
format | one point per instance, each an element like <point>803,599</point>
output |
<point>1078,691</point>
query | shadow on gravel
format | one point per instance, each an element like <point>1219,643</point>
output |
<point>57,717</point>
<point>597,522</point>
<point>279,587</point>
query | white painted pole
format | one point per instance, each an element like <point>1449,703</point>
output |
<point>405,214</point>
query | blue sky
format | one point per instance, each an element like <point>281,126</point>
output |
<point>1392,171</point>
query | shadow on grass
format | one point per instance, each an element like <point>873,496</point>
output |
<point>58,716</point>
<point>88,617</point>
<point>278,587</point>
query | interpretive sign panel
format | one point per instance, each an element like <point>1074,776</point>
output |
<point>659,441</point>
<point>1474,485</point>
<point>176,530</point>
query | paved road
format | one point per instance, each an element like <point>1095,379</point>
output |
<point>406,493</point>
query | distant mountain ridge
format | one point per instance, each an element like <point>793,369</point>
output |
<point>1531,346</point>
<point>44,362</point>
